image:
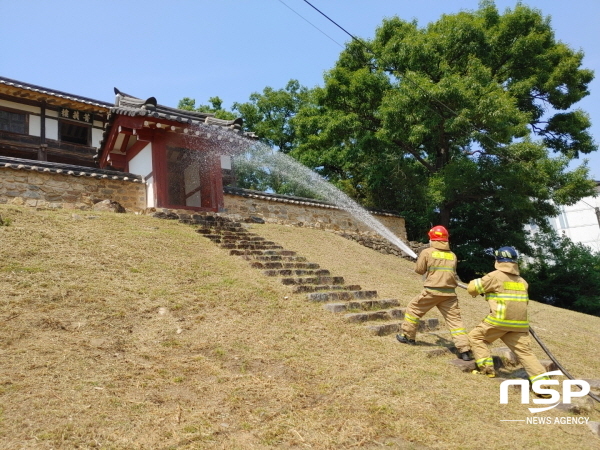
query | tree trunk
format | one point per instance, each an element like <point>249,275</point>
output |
<point>445,216</point>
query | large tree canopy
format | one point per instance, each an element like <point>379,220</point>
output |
<point>467,122</point>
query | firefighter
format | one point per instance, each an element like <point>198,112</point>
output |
<point>438,266</point>
<point>506,293</point>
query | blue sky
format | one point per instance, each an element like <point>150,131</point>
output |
<point>227,48</point>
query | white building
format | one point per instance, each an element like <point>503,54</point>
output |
<point>581,222</point>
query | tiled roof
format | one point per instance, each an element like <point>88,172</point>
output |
<point>128,105</point>
<point>53,93</point>
<point>290,199</point>
<point>66,169</point>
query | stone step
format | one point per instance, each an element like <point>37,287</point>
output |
<point>232,234</point>
<point>341,295</point>
<point>297,272</point>
<point>306,288</point>
<point>253,240</point>
<point>222,228</point>
<point>389,328</point>
<point>382,314</point>
<point>237,245</point>
<point>362,305</point>
<point>274,257</point>
<point>247,251</point>
<point>312,280</point>
<point>285,265</point>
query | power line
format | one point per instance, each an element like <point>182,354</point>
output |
<point>313,25</point>
<point>331,20</point>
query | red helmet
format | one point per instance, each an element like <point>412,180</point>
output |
<point>438,233</point>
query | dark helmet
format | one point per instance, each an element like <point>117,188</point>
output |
<point>506,254</point>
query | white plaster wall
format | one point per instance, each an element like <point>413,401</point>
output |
<point>150,200</point>
<point>96,137</point>
<point>51,129</point>
<point>141,164</point>
<point>35,128</point>
<point>225,162</point>
<point>20,106</point>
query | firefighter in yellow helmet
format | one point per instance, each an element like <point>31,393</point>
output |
<point>438,265</point>
<point>506,293</point>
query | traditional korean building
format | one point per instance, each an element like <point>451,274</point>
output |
<point>182,156</point>
<point>43,124</point>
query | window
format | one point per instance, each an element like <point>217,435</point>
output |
<point>13,122</point>
<point>74,133</point>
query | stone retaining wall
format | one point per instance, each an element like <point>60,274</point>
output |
<point>303,212</point>
<point>57,190</point>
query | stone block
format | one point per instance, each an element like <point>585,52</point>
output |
<point>108,205</point>
<point>594,428</point>
<point>464,366</point>
<point>548,365</point>
<point>31,194</point>
<point>429,324</point>
<point>364,317</point>
<point>594,385</point>
<point>384,329</point>
<point>17,201</point>
<point>507,356</point>
<point>336,307</point>
<point>578,406</point>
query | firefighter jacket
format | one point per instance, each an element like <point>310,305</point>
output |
<point>438,264</point>
<point>506,293</point>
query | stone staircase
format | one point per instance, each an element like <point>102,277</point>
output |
<point>380,316</point>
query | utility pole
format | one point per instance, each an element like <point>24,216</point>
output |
<point>598,215</point>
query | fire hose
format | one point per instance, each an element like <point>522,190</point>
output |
<point>549,353</point>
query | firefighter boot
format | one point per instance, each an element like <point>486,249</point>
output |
<point>466,356</point>
<point>405,340</point>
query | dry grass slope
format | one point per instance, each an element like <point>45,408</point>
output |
<point>128,332</point>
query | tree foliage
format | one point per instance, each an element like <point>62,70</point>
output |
<point>466,122</point>
<point>215,107</point>
<point>564,274</point>
<point>270,114</point>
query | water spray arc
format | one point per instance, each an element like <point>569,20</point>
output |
<point>260,155</point>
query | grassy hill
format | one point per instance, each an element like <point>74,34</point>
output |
<point>130,332</point>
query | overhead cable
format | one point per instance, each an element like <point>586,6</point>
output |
<point>310,23</point>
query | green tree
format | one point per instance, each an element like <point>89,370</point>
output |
<point>215,107</point>
<point>467,122</point>
<point>269,115</point>
<point>564,274</point>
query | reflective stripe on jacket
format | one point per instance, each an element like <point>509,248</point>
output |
<point>438,264</point>
<point>506,293</point>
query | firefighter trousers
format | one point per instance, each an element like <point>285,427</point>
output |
<point>447,305</point>
<point>518,341</point>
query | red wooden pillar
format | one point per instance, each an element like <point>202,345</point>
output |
<point>159,166</point>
